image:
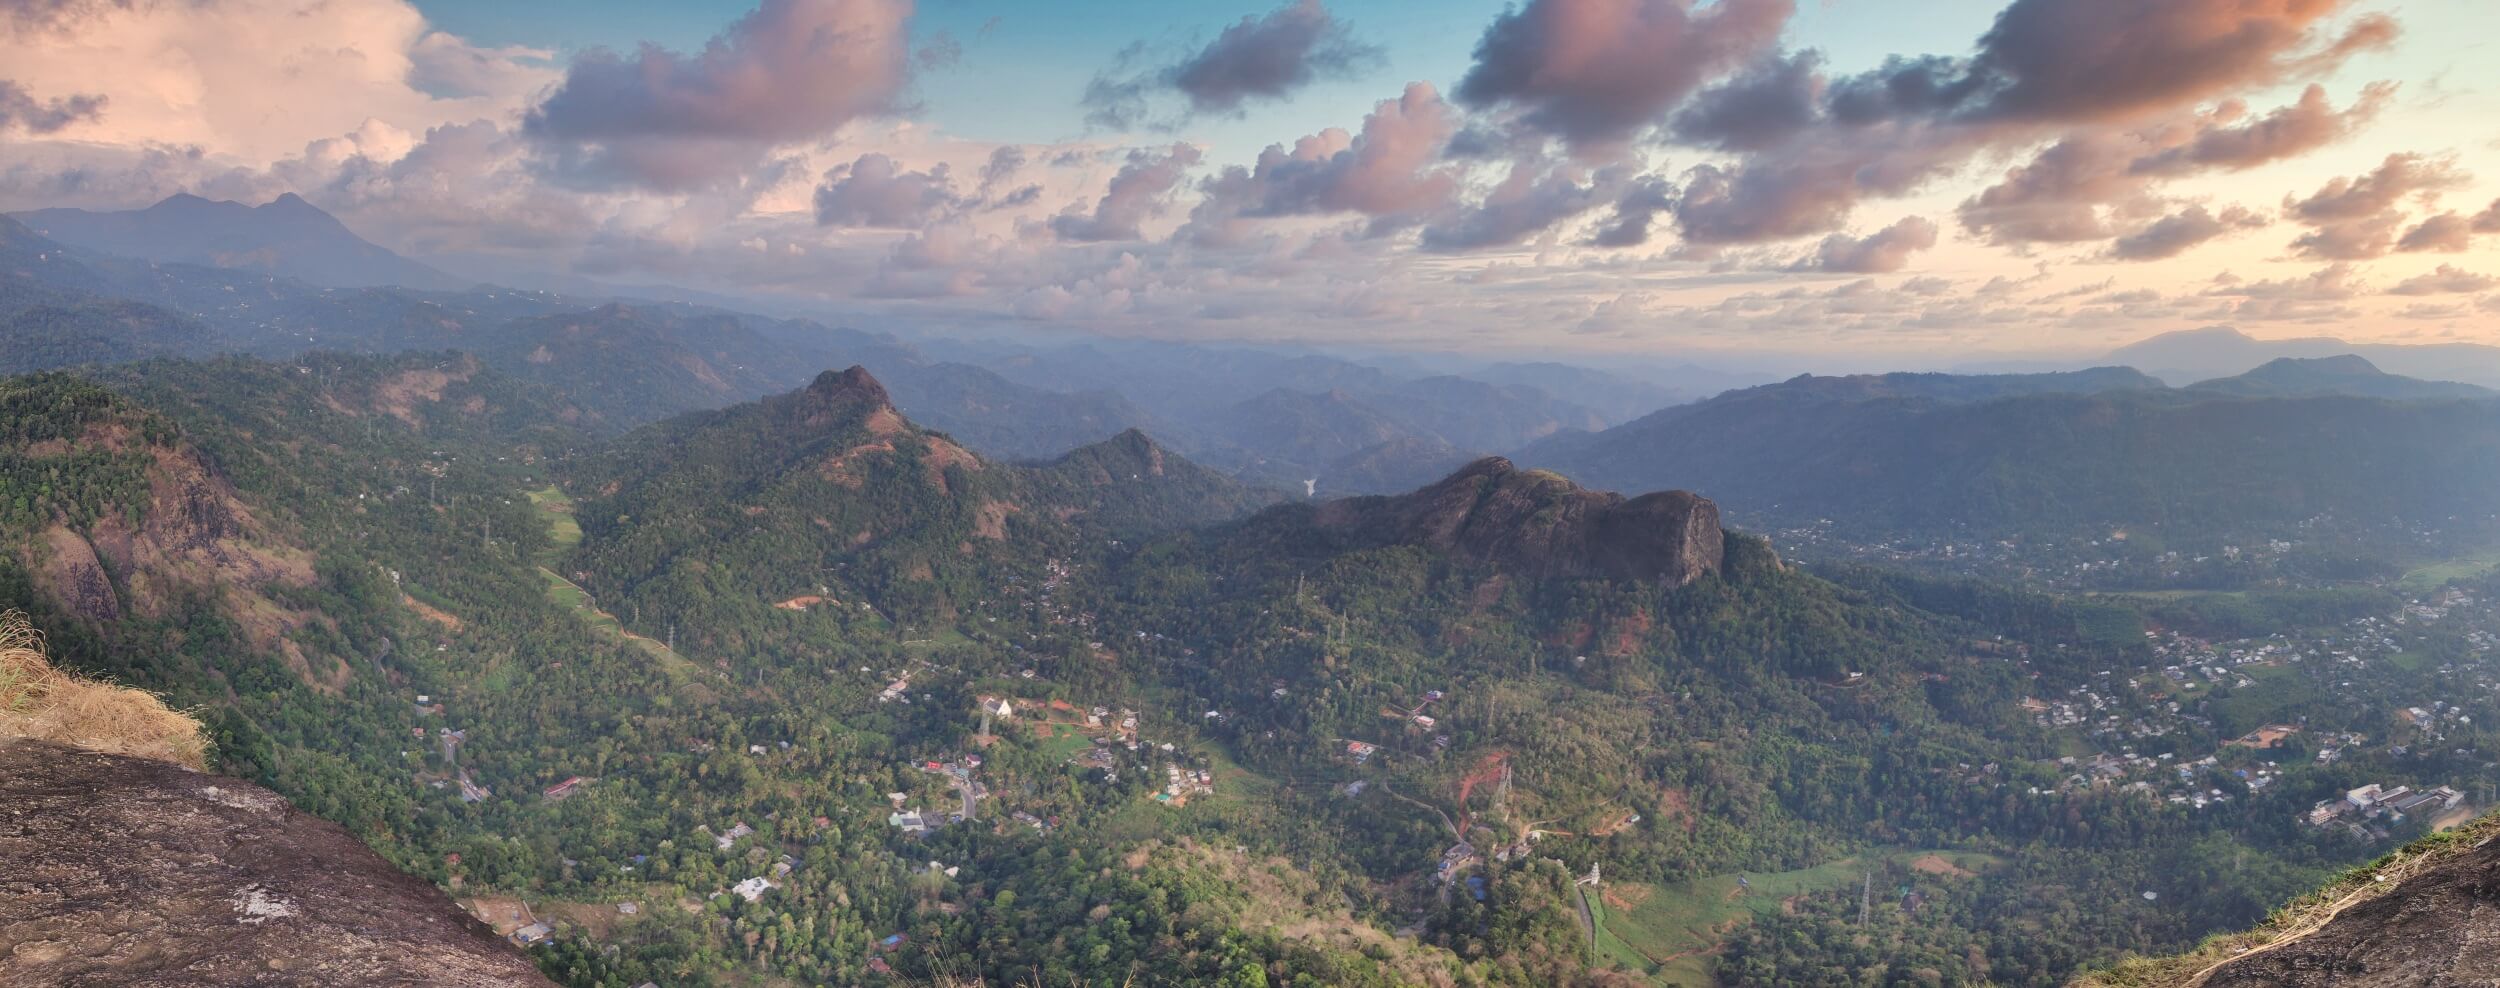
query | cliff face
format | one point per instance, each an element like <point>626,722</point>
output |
<point>1540,524</point>
<point>124,871</point>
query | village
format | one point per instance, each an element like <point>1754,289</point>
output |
<point>2362,689</point>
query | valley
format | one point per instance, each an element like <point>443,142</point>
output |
<point>680,648</point>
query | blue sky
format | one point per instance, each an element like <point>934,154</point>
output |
<point>1050,51</point>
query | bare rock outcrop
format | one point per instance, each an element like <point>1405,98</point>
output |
<point>127,872</point>
<point>2439,928</point>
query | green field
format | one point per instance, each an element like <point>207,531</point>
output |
<point>1669,935</point>
<point>2280,692</point>
<point>2432,576</point>
<point>1063,744</point>
<point>556,509</point>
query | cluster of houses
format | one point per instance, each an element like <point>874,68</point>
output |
<point>1180,784</point>
<point>2360,810</point>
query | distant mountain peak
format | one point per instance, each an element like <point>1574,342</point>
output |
<point>2343,373</point>
<point>286,236</point>
<point>2348,363</point>
<point>845,396</point>
<point>1540,522</point>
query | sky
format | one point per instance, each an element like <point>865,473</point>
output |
<point>1898,182</point>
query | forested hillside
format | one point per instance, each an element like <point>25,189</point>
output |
<point>806,643</point>
<point>2197,465</point>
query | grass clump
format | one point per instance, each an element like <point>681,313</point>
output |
<point>41,702</point>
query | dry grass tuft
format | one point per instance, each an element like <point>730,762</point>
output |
<point>39,701</point>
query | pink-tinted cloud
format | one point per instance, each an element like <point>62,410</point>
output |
<point>1140,192</point>
<point>2445,280</point>
<point>1882,252</point>
<point>874,191</point>
<point>2287,132</point>
<point>2113,86</point>
<point>2446,233</point>
<point>2357,218</point>
<point>1390,171</point>
<point>2103,60</point>
<point>2056,196</point>
<point>790,70</point>
<point>2177,233</point>
<point>2357,239</point>
<point>1597,72</point>
<point>2396,178</point>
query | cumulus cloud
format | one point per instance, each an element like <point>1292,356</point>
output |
<point>2098,60</point>
<point>2112,87</point>
<point>1141,191</point>
<point>1389,172</point>
<point>2177,233</point>
<point>1258,57</point>
<point>1882,252</point>
<point>2445,280</point>
<point>2446,233</point>
<point>1765,104</point>
<point>1532,199</point>
<point>790,70</point>
<point>1594,73</point>
<point>250,81</point>
<point>2397,177</point>
<point>2357,239</point>
<point>2488,221</point>
<point>2317,297</point>
<point>874,191</point>
<point>1635,211</point>
<point>2357,218</point>
<point>2287,132</point>
<point>19,111</point>
<point>2070,189</point>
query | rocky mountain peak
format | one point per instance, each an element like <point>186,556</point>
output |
<point>843,396</point>
<point>1539,522</point>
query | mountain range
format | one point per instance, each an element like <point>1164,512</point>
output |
<point>286,237</point>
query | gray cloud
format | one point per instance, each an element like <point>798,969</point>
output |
<point>21,111</point>
<point>1758,108</point>
<point>1257,57</point>
<point>1533,199</point>
<point>1635,211</point>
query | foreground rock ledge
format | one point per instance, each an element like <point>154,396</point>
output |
<point>121,871</point>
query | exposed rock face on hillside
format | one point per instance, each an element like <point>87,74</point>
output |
<point>122,871</point>
<point>1539,523</point>
<point>838,398</point>
<point>2440,927</point>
